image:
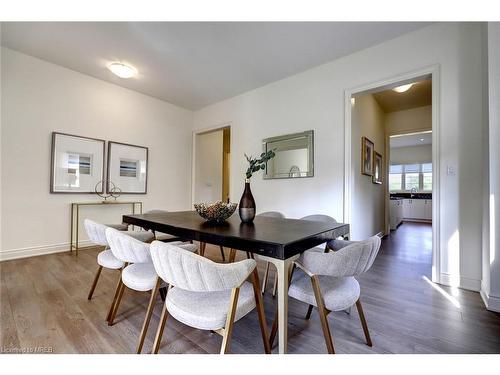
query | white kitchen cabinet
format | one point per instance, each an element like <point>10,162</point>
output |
<point>428,209</point>
<point>406,208</point>
<point>396,212</point>
<point>417,209</point>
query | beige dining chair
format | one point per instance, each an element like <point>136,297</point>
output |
<point>207,295</point>
<point>328,281</point>
<point>105,259</point>
<point>138,273</point>
<point>322,218</point>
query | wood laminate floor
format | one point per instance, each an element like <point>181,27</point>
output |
<point>44,304</point>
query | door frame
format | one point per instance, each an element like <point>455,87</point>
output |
<point>196,132</point>
<point>434,72</point>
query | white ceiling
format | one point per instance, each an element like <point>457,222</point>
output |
<point>194,64</point>
<point>417,139</point>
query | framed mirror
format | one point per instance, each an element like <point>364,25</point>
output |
<point>294,155</point>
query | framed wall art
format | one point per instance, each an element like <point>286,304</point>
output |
<point>77,163</point>
<point>128,167</point>
<point>377,168</point>
<point>367,150</point>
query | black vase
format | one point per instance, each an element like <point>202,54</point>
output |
<point>247,204</point>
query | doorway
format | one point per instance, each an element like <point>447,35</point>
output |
<point>386,96</point>
<point>211,165</point>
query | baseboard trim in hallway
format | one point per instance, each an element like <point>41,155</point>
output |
<point>466,283</point>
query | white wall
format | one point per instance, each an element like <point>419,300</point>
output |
<point>409,120</point>
<point>38,98</point>
<point>208,167</point>
<point>411,154</point>
<point>368,207</point>
<point>315,100</point>
<point>490,289</point>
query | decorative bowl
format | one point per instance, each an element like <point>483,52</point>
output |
<point>215,212</point>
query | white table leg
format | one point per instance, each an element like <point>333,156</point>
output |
<point>283,267</point>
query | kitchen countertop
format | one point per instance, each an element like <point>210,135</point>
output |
<point>396,196</point>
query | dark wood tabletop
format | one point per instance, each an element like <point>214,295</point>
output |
<point>273,237</point>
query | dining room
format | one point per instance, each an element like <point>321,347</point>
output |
<point>176,188</point>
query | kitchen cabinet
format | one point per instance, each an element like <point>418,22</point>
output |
<point>396,213</point>
<point>428,209</point>
<point>417,209</point>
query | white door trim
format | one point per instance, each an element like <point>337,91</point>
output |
<point>193,152</point>
<point>434,72</point>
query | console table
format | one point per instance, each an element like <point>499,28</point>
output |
<point>75,217</point>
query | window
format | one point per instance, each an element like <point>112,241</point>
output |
<point>410,176</point>
<point>395,177</point>
<point>427,176</point>
<point>411,181</point>
<point>395,181</point>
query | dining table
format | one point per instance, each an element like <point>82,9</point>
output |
<point>276,240</point>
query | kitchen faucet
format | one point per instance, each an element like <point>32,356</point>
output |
<point>413,191</point>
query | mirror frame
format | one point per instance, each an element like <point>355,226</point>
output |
<point>309,135</point>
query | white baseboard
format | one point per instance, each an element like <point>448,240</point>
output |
<point>32,251</point>
<point>465,282</point>
<point>492,303</point>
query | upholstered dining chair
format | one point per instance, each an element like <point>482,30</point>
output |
<point>327,281</point>
<point>138,274</point>
<point>207,295</point>
<point>105,259</point>
<point>322,218</point>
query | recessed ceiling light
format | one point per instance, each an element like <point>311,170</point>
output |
<point>403,88</point>
<point>122,70</point>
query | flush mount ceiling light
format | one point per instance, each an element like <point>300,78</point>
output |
<point>403,88</point>
<point>122,70</point>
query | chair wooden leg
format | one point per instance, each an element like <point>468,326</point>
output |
<point>222,254</point>
<point>161,327</point>
<point>309,311</point>
<point>201,249</point>
<point>149,312</point>
<point>232,256</point>
<point>228,329</point>
<point>363,323</point>
<point>115,297</point>
<point>266,276</point>
<point>260,310</point>
<point>117,304</point>
<point>274,329</point>
<point>94,284</point>
<point>322,314</point>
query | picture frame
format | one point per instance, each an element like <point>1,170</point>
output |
<point>77,164</point>
<point>377,168</point>
<point>127,168</point>
<point>367,149</point>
